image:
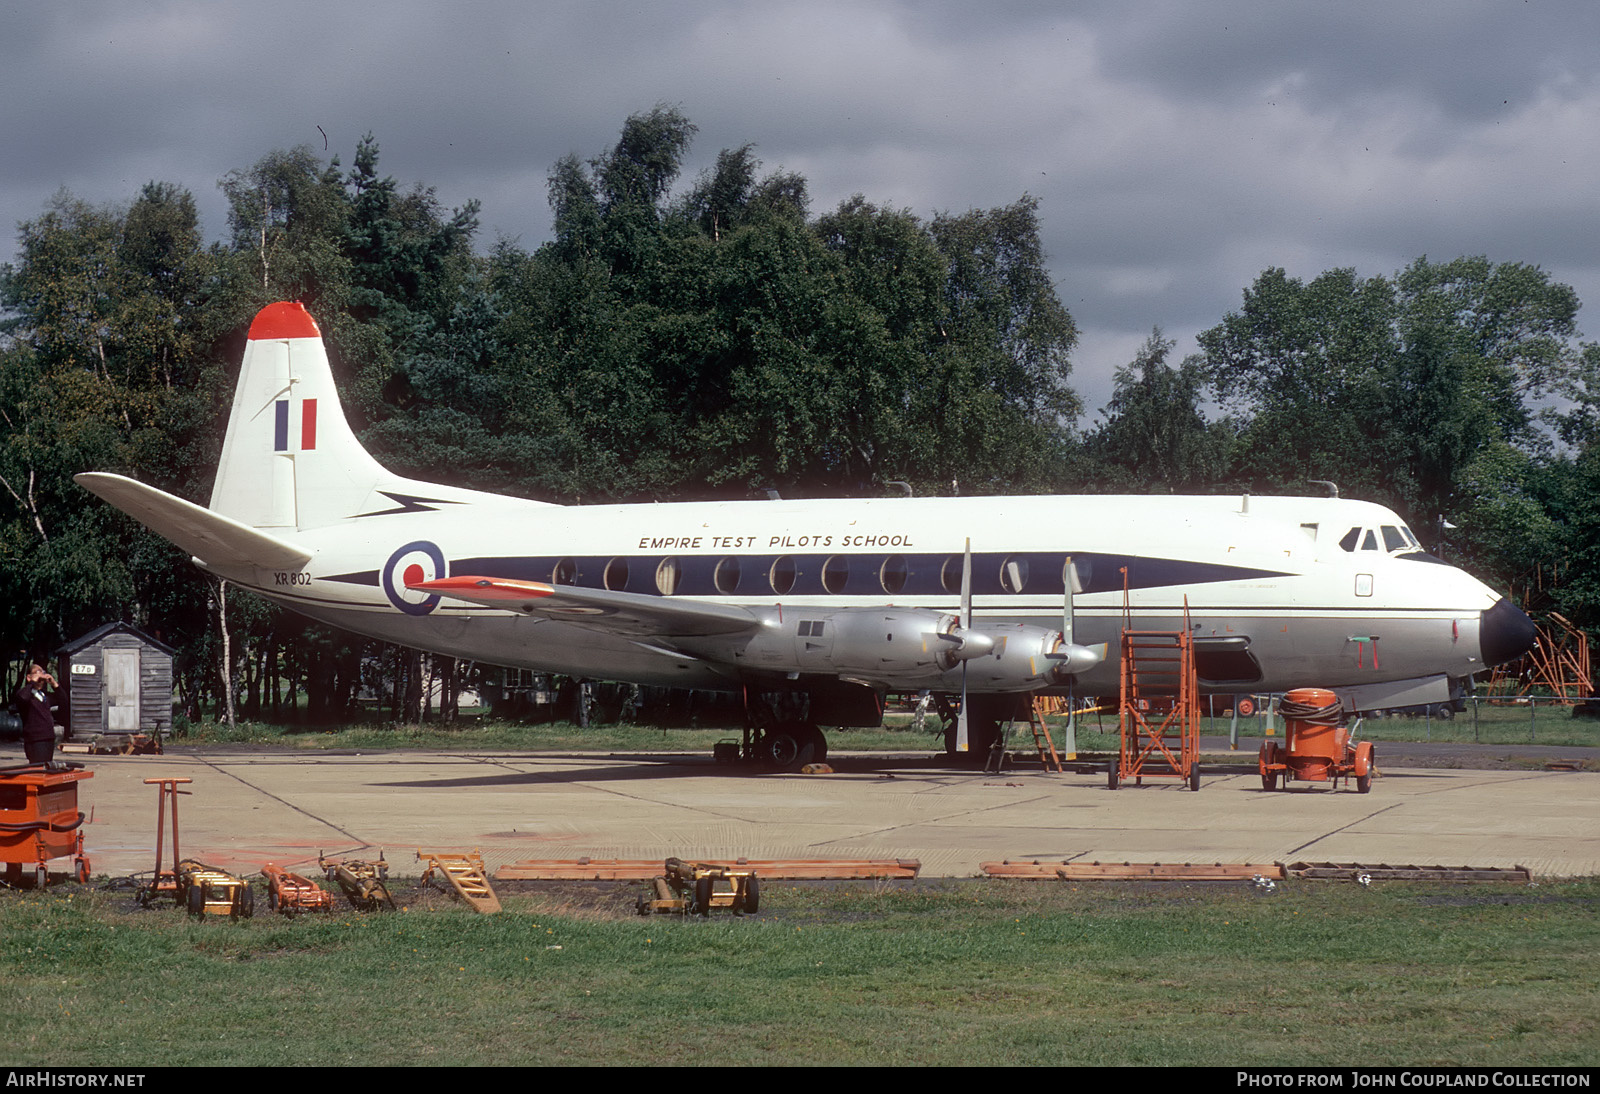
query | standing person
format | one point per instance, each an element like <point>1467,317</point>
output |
<point>37,707</point>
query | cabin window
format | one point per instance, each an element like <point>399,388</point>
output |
<point>616,575</point>
<point>892,574</point>
<point>1350,539</point>
<point>950,574</point>
<point>726,576</point>
<point>667,577</point>
<point>1014,574</point>
<point>835,572</point>
<point>782,575</point>
<point>1392,539</point>
<point>564,572</point>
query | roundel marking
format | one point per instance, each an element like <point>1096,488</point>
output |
<point>415,562</point>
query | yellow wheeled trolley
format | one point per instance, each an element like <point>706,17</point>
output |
<point>694,888</point>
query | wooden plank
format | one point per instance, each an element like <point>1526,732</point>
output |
<point>1114,871</point>
<point>1383,871</point>
<point>592,869</point>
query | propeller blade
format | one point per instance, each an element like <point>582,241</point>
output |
<point>966,585</point>
<point>966,637</point>
<point>1070,585</point>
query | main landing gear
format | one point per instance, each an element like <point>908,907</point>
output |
<point>789,746</point>
<point>777,736</point>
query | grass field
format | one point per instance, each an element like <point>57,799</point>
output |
<point>1545,724</point>
<point>979,972</point>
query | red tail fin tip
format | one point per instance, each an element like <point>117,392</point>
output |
<point>286,319</point>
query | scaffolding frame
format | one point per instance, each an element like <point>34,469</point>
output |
<point>1557,666</point>
<point>1159,717</point>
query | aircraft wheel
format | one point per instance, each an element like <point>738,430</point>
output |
<point>788,747</point>
<point>1111,775</point>
<point>1194,776</point>
<point>818,741</point>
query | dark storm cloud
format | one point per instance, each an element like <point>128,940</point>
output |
<point>1468,59</point>
<point>1177,149</point>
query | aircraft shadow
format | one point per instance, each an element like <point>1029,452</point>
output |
<point>652,767</point>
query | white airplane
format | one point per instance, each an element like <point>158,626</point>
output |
<point>843,600</point>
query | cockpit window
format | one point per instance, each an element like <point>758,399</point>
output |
<point>1351,538</point>
<point>1392,539</point>
<point>1370,543</point>
<point>1411,539</point>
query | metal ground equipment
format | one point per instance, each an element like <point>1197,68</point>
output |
<point>1159,721</point>
<point>695,888</point>
<point>205,890</point>
<point>467,876</point>
<point>290,893</point>
<point>364,884</point>
<point>1317,747</point>
<point>40,820</point>
<point>164,883</point>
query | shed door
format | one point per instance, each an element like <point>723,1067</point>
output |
<point>122,691</point>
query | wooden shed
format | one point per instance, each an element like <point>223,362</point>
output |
<point>118,681</point>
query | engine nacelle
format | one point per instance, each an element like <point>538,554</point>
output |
<point>895,647</point>
<point>905,648</point>
<point>1023,658</point>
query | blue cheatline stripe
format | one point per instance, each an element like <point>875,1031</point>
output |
<point>280,426</point>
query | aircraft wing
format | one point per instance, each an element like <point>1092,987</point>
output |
<point>631,614</point>
<point>222,543</point>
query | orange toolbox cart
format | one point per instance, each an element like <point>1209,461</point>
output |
<point>1317,745</point>
<point>40,820</point>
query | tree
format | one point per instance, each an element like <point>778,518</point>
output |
<point>107,369</point>
<point>1155,436</point>
<point>288,214</point>
<point>1390,387</point>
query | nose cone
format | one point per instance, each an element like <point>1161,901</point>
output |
<point>1504,633</point>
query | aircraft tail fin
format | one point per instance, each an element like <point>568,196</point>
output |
<point>290,460</point>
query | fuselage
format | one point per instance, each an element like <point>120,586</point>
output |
<point>1279,592</point>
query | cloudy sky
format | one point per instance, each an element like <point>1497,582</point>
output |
<point>1177,148</point>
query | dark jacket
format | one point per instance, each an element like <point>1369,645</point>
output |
<point>38,715</point>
